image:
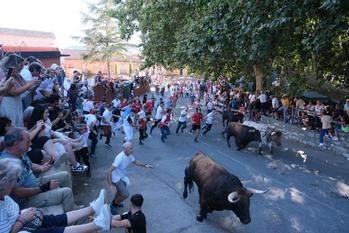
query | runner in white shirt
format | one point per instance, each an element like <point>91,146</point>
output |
<point>87,105</point>
<point>159,113</point>
<point>128,125</point>
<point>106,124</point>
<point>117,179</point>
<point>182,120</point>
<point>116,103</point>
<point>209,121</point>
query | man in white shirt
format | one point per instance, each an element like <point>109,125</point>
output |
<point>116,102</point>
<point>128,125</point>
<point>87,105</point>
<point>91,122</point>
<point>209,121</point>
<point>158,116</point>
<point>182,120</point>
<point>106,124</point>
<point>117,179</point>
<point>263,98</point>
<point>346,107</point>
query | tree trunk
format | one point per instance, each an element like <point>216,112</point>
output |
<point>108,66</point>
<point>258,72</point>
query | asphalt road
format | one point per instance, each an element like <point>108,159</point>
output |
<point>303,196</point>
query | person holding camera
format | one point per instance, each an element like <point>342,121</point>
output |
<point>11,104</point>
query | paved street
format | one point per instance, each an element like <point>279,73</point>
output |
<point>302,197</point>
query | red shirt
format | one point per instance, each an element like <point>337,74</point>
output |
<point>168,119</point>
<point>141,123</point>
<point>136,107</point>
<point>196,118</point>
<point>149,106</point>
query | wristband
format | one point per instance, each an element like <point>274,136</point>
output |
<point>45,187</point>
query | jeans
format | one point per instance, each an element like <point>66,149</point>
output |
<point>323,132</point>
<point>207,128</point>
<point>164,132</point>
<point>183,124</point>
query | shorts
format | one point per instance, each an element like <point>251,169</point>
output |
<point>39,142</point>
<point>121,188</point>
<point>35,155</point>
<point>195,127</point>
<point>53,224</point>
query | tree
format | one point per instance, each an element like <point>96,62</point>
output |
<point>296,39</point>
<point>102,38</point>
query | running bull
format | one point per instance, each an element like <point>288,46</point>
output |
<point>269,135</point>
<point>218,189</point>
<point>243,135</point>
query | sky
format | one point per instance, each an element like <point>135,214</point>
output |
<point>62,17</point>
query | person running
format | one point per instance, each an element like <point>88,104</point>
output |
<point>165,125</point>
<point>142,122</point>
<point>117,179</point>
<point>209,121</point>
<point>182,120</point>
<point>129,123</point>
<point>158,116</point>
<point>134,220</point>
<point>196,123</point>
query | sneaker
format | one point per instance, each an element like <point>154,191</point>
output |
<point>321,145</point>
<point>103,220</point>
<point>163,140</point>
<point>196,140</point>
<point>93,156</point>
<point>107,145</point>
<point>334,138</point>
<point>79,167</point>
<point>141,143</point>
<point>98,203</point>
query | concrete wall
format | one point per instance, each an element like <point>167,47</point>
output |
<point>310,137</point>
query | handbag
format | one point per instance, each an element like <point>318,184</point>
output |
<point>36,222</point>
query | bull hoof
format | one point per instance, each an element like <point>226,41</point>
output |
<point>199,218</point>
<point>185,195</point>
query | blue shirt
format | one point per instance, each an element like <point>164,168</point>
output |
<point>27,178</point>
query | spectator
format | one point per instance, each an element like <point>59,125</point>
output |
<point>346,107</point>
<point>285,104</point>
<point>31,191</point>
<point>12,219</point>
<point>11,105</point>
<point>134,220</point>
<point>326,120</point>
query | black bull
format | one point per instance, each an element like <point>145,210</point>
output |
<point>218,189</point>
<point>243,135</point>
<point>230,115</point>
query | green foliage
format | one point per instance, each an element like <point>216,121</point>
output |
<point>292,37</point>
<point>102,38</point>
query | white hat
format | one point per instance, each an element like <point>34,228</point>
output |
<point>54,66</point>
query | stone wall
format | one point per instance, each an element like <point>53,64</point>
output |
<point>310,137</point>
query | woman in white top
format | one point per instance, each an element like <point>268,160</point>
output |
<point>43,140</point>
<point>11,104</point>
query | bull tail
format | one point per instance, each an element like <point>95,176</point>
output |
<point>188,181</point>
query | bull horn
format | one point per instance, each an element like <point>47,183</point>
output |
<point>257,191</point>
<point>233,197</point>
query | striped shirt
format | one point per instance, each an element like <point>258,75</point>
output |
<point>9,212</point>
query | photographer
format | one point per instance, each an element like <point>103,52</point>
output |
<point>58,113</point>
<point>11,105</point>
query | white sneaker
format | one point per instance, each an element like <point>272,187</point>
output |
<point>321,144</point>
<point>98,203</point>
<point>334,138</point>
<point>104,218</point>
